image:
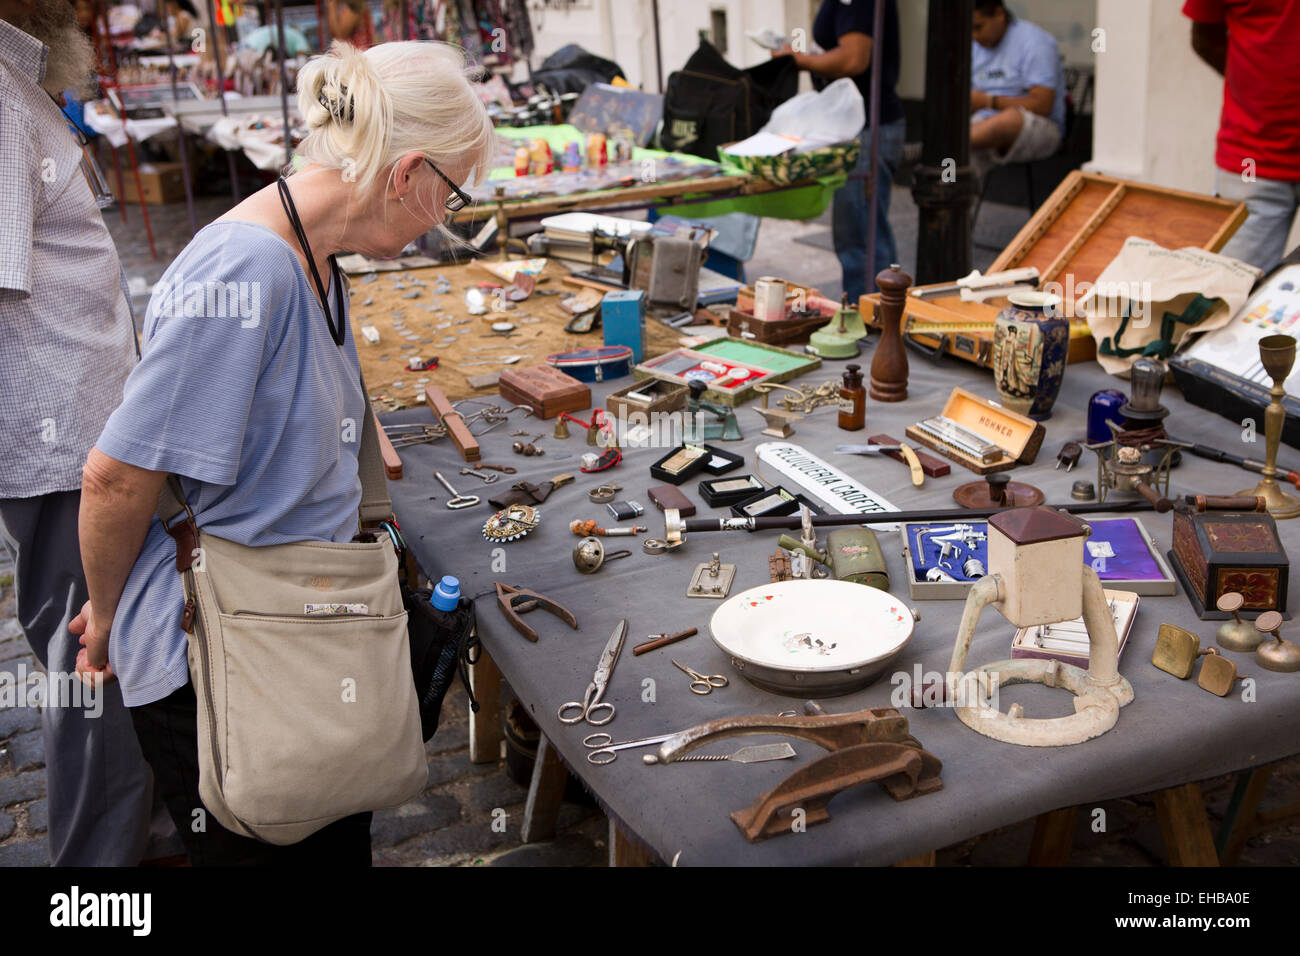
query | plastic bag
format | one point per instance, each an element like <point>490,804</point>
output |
<point>835,115</point>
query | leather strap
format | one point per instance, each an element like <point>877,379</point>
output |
<point>376,505</point>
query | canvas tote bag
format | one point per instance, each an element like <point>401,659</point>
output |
<point>302,719</point>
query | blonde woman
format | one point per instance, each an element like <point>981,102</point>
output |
<point>249,377</point>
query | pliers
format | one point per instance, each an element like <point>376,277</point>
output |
<point>514,601</point>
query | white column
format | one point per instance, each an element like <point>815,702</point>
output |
<point>1156,104</point>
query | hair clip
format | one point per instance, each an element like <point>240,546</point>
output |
<point>335,107</point>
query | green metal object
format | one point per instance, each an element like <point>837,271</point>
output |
<point>839,339</point>
<point>706,421</point>
<point>852,554</point>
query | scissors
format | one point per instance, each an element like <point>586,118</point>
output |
<point>701,683</point>
<point>604,750</point>
<point>591,700</point>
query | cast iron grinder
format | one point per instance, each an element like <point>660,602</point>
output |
<point>1037,575</point>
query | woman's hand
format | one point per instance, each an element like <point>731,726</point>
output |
<point>785,50</point>
<point>92,659</point>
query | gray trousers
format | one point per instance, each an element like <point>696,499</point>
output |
<point>99,790</point>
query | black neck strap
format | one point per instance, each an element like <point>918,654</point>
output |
<point>338,331</point>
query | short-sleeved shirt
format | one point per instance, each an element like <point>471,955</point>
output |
<point>1027,56</point>
<point>838,17</point>
<point>67,342</point>
<point>243,393</point>
<point>1259,126</point>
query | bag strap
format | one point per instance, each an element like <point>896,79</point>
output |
<point>376,505</point>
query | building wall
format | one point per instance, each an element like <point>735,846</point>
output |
<point>1157,104</point>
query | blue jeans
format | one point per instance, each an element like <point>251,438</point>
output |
<point>1270,207</point>
<point>849,212</point>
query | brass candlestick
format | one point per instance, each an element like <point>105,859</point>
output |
<point>1277,353</point>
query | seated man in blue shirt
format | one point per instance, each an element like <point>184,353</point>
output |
<point>1017,96</point>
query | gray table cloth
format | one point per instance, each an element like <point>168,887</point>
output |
<point>1172,733</point>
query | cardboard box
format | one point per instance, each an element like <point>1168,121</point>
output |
<point>1124,606</point>
<point>161,183</point>
<point>1018,436</point>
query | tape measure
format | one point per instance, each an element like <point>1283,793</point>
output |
<point>1078,327</point>
<point>915,327</point>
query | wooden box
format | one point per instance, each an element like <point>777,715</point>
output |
<point>792,329</point>
<point>1019,436</point>
<point>1215,553</point>
<point>665,397</point>
<point>544,389</point>
<point>1070,239</point>
<point>760,363</point>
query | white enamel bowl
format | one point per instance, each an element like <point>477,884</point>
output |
<point>805,638</point>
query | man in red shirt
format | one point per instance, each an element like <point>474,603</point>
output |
<point>1253,43</point>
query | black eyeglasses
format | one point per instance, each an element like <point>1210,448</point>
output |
<point>458,199</point>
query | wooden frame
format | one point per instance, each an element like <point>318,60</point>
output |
<point>1076,233</point>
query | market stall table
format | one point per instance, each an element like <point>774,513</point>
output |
<point>1173,733</point>
<point>716,191</point>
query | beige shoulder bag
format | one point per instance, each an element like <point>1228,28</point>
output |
<point>303,718</point>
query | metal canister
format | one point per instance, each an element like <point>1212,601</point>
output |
<point>769,299</point>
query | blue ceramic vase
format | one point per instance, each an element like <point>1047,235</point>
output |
<point>1030,342</point>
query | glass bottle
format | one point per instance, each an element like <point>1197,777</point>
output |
<point>853,400</point>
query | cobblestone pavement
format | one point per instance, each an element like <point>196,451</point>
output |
<point>452,822</point>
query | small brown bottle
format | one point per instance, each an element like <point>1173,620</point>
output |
<point>853,400</point>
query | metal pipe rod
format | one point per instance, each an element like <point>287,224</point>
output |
<point>773,523</point>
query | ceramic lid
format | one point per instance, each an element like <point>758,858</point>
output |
<point>1032,525</point>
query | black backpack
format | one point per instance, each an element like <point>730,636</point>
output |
<point>709,102</point>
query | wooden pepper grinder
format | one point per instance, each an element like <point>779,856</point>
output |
<point>889,365</point>
<point>853,400</point>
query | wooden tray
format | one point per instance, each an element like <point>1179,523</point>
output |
<point>771,364</point>
<point>1076,232</point>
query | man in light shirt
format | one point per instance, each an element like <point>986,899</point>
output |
<point>67,343</point>
<point>1017,96</point>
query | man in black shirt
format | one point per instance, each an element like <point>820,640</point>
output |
<point>843,29</point>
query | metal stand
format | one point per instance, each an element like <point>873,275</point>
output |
<point>1277,354</point>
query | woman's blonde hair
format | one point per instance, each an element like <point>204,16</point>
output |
<point>365,110</point>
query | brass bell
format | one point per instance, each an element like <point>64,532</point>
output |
<point>1236,635</point>
<point>561,428</point>
<point>589,555</point>
<point>1278,654</point>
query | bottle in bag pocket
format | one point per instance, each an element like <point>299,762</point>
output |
<point>440,623</point>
